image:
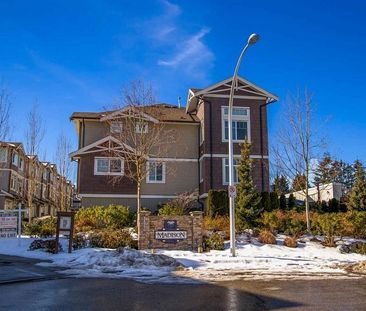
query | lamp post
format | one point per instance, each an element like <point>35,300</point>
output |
<point>253,38</point>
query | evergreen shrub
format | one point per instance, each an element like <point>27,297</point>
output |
<point>217,203</point>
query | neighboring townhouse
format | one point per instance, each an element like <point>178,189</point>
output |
<point>198,159</point>
<point>13,168</point>
<point>25,179</point>
<point>321,192</point>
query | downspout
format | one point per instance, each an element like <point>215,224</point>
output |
<point>261,143</point>
<point>201,206</point>
<point>211,141</point>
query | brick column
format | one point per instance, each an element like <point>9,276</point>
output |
<point>197,219</point>
<point>143,226</point>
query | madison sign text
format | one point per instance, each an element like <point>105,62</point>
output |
<point>170,232</point>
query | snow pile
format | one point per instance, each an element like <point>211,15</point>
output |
<point>258,260</point>
<point>253,260</point>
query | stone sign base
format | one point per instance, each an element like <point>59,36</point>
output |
<point>170,232</point>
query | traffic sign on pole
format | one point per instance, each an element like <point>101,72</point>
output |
<point>232,191</point>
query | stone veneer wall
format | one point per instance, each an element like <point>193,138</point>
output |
<point>148,224</point>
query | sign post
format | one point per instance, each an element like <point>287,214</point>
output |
<point>65,226</point>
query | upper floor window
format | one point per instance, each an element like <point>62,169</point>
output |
<point>225,171</point>
<point>15,158</point>
<point>141,127</point>
<point>116,127</point>
<point>3,154</point>
<point>21,163</point>
<point>108,166</point>
<point>240,124</point>
<point>156,172</point>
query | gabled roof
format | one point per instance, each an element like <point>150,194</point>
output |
<point>128,112</point>
<point>99,146</point>
<point>15,145</point>
<point>162,112</point>
<point>244,89</point>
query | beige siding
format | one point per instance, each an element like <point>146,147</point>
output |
<point>151,204</point>
<point>95,130</point>
<point>180,177</point>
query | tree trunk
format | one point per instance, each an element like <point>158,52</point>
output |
<point>307,212</point>
<point>138,204</point>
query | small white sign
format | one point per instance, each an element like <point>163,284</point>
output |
<point>65,223</point>
<point>232,191</point>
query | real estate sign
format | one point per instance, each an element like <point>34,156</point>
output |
<point>8,226</point>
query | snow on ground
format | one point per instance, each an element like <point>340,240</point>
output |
<point>253,260</point>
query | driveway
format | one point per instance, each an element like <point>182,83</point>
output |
<point>20,269</point>
<point>25,286</point>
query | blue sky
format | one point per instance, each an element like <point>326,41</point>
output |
<point>75,55</point>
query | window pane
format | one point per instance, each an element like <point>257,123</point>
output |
<point>102,165</point>
<point>239,112</point>
<point>226,129</point>
<point>115,166</point>
<point>151,171</point>
<point>3,154</point>
<point>241,130</point>
<point>159,171</point>
<point>234,130</point>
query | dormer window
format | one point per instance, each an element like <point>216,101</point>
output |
<point>141,128</point>
<point>240,124</point>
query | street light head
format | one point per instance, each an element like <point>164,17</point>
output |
<point>253,38</point>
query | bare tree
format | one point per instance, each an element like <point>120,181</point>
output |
<point>63,163</point>
<point>62,158</point>
<point>138,133</point>
<point>5,106</point>
<point>35,131</point>
<point>33,183</point>
<point>297,143</point>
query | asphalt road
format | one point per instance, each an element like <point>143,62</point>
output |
<point>53,292</point>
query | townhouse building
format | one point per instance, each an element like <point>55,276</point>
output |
<point>35,184</point>
<point>198,159</point>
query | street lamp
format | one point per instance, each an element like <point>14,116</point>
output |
<point>253,38</point>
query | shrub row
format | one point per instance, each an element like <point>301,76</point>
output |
<point>100,217</point>
<point>112,239</point>
<point>42,227</point>
<point>47,245</point>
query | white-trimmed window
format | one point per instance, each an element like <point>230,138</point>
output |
<point>116,127</point>
<point>225,171</point>
<point>15,158</point>
<point>108,166</point>
<point>21,163</point>
<point>13,182</point>
<point>155,172</point>
<point>142,127</point>
<point>240,122</point>
<point>3,155</point>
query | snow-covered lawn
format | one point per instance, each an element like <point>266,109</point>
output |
<point>253,260</point>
